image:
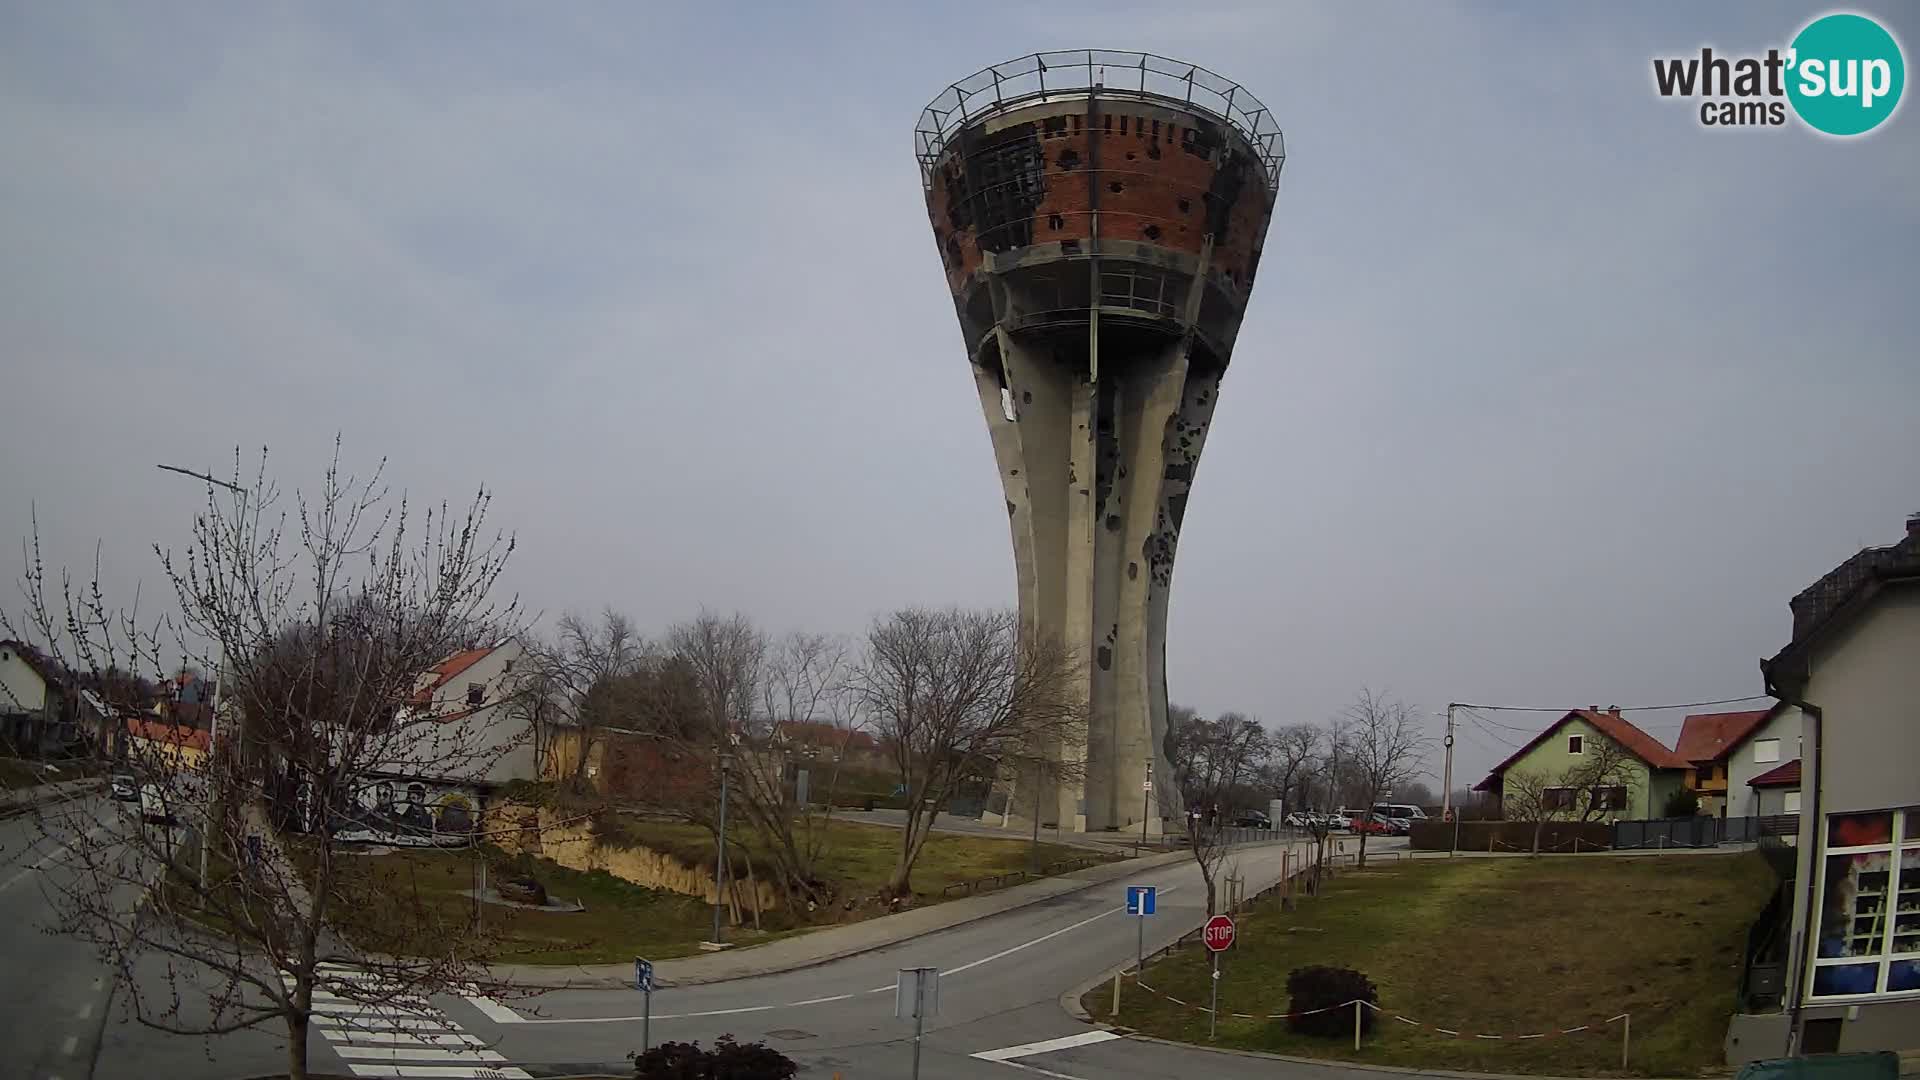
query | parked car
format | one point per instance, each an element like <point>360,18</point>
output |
<point>1298,820</point>
<point>1375,824</point>
<point>123,788</point>
<point>1252,819</point>
<point>153,806</point>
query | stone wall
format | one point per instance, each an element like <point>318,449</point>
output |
<point>571,843</point>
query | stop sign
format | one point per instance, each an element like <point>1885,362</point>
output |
<point>1218,935</point>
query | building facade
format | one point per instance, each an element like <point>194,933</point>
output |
<point>1853,670</point>
<point>1649,774</point>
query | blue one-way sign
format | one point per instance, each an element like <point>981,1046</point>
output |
<point>1140,900</point>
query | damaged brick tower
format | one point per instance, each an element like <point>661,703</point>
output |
<point>1100,216</point>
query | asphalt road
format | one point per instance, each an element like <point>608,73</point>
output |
<point>52,1004</point>
<point>1000,987</point>
<point>1001,981</point>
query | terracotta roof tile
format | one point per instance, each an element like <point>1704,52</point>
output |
<point>1613,726</point>
<point>1787,775</point>
<point>161,731</point>
<point>1710,736</point>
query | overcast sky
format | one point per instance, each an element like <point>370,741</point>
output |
<point>1547,395</point>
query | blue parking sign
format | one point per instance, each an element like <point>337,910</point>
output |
<point>643,975</point>
<point>1140,900</point>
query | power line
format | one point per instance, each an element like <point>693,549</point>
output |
<point>1622,708</point>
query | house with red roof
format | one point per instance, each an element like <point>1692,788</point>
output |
<point>1648,775</point>
<point>1708,740</point>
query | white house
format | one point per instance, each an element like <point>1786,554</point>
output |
<point>469,737</point>
<point>1852,670</point>
<point>1760,755</point>
<point>30,700</point>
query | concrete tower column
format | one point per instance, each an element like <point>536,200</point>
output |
<point>1100,240</point>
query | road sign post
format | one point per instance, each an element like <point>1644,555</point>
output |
<point>1140,904</point>
<point>917,994</point>
<point>1218,938</point>
<point>643,982</point>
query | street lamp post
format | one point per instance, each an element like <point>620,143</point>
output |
<point>1146,799</point>
<point>213,719</point>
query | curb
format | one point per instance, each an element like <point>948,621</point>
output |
<point>620,981</point>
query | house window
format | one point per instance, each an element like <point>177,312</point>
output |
<point>1610,798</point>
<point>1574,744</point>
<point>1765,750</point>
<point>476,694</point>
<point>1867,933</point>
<point>1557,798</point>
<point>1791,804</point>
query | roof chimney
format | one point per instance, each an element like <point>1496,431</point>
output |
<point>1593,708</point>
<point>1614,709</point>
<point>1913,525</point>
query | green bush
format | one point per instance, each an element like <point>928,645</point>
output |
<point>1314,997</point>
<point>1681,802</point>
<point>728,1060</point>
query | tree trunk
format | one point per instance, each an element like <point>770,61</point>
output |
<point>1211,910</point>
<point>1537,826</point>
<point>1033,851</point>
<point>297,1047</point>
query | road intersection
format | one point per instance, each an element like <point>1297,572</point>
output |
<point>1000,1012</point>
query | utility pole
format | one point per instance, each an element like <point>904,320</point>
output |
<point>720,866</point>
<point>1447,810</point>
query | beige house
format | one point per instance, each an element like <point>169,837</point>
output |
<point>1852,671</point>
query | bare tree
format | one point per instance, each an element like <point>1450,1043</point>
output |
<point>1291,752</point>
<point>1216,754</point>
<point>319,620</point>
<point>576,686</point>
<point>1385,743</point>
<point>1582,791</point>
<point>954,694</point>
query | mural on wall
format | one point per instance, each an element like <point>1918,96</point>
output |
<point>408,813</point>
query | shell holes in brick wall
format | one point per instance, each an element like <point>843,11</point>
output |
<point>1116,187</point>
<point>1151,232</point>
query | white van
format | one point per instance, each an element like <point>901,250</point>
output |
<point>1399,810</point>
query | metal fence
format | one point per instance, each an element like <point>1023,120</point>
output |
<point>1072,73</point>
<point>1700,832</point>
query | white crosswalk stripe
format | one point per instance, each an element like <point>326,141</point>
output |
<point>398,1035</point>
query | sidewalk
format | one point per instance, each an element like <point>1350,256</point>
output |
<point>832,943</point>
<point>19,800</point>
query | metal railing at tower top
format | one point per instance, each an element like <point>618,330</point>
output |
<point>1071,73</point>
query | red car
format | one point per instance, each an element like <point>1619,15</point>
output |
<point>1373,824</point>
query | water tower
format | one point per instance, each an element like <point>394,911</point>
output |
<point>1100,216</point>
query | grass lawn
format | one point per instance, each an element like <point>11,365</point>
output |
<point>624,920</point>
<point>859,857</point>
<point>434,888</point>
<point>1492,946</point>
<point>16,773</point>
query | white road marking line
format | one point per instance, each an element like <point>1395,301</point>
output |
<point>1038,1071</point>
<point>451,1072</point>
<point>1085,1038</point>
<point>73,1043</point>
<point>49,857</point>
<point>494,1011</point>
<point>415,1053</point>
<point>384,1023</point>
<point>402,1038</point>
<point>85,1011</point>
